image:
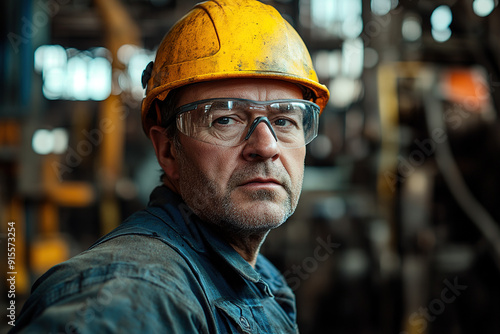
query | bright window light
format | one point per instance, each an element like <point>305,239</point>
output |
<point>328,63</point>
<point>71,74</point>
<point>77,75</point>
<point>441,18</point>
<point>136,66</point>
<point>383,7</point>
<point>323,12</point>
<point>43,141</point>
<point>99,72</point>
<point>54,83</point>
<point>49,56</point>
<point>483,8</point>
<point>352,26</point>
<point>322,63</point>
<point>352,58</point>
<point>60,138</point>
<point>346,90</point>
<point>125,52</point>
<point>441,35</point>
<point>338,17</point>
<point>411,29</point>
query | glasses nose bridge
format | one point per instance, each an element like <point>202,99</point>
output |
<point>258,107</point>
<point>256,122</point>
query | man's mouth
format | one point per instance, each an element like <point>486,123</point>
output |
<point>261,182</point>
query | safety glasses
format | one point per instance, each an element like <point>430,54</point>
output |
<point>230,121</point>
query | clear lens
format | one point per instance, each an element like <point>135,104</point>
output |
<point>226,122</point>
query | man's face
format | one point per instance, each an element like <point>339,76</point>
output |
<point>247,188</point>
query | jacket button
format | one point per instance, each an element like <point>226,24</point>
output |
<point>244,322</point>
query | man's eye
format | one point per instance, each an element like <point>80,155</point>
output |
<point>223,121</point>
<point>283,122</point>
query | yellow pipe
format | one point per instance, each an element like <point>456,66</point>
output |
<point>120,29</point>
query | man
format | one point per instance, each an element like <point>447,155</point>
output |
<point>229,111</point>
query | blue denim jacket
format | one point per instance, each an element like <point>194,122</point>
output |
<point>160,271</point>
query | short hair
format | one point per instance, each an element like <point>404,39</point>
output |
<point>166,111</point>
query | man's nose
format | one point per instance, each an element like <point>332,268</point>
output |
<point>261,141</point>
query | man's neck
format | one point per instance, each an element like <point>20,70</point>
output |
<point>244,242</point>
<point>248,246</point>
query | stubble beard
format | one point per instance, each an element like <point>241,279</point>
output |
<point>216,206</point>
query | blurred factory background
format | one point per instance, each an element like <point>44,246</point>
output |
<point>397,229</point>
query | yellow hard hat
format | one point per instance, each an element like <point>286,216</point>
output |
<point>226,39</point>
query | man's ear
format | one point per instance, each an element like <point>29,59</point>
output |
<point>165,152</point>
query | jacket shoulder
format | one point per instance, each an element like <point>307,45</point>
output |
<point>126,267</point>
